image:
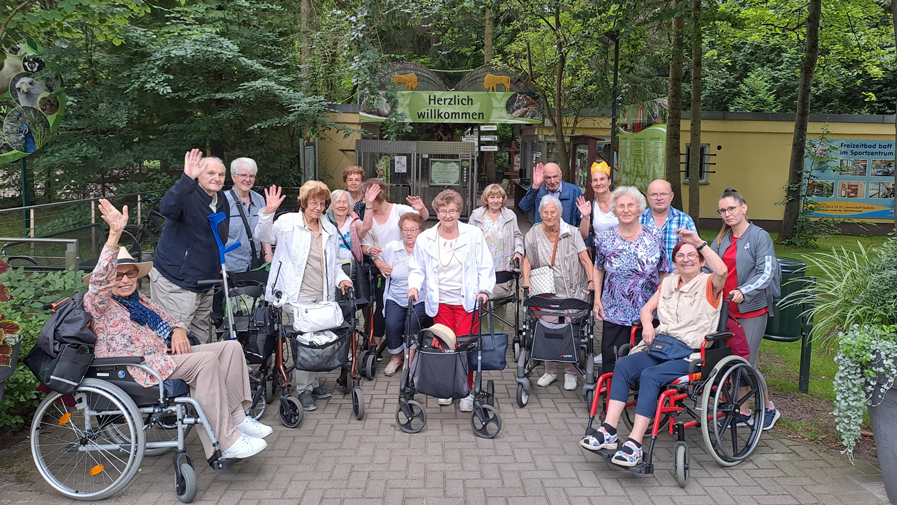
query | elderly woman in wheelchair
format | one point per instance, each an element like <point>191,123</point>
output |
<point>688,308</point>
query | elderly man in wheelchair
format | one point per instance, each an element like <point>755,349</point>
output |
<point>138,381</point>
<point>684,358</point>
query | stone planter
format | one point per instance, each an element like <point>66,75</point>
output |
<point>7,371</point>
<point>884,427</point>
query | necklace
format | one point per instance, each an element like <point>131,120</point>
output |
<point>446,244</point>
<point>627,237</point>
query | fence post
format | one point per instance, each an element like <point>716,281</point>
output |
<point>93,229</point>
<point>139,217</point>
<point>71,254</point>
<point>31,228</point>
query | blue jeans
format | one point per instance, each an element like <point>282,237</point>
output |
<point>396,316</point>
<point>652,374</point>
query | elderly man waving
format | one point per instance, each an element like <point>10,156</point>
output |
<point>547,181</point>
<point>662,217</point>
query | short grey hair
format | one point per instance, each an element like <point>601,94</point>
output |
<point>204,159</point>
<point>245,163</point>
<point>631,192</point>
<point>336,194</point>
<point>551,200</point>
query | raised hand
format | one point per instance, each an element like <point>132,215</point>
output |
<point>415,202</point>
<point>192,166</point>
<point>115,219</point>
<point>584,206</point>
<point>538,176</point>
<point>371,194</point>
<point>273,199</point>
<point>689,237</point>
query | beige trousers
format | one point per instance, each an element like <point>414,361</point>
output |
<point>219,381</point>
<point>192,309</point>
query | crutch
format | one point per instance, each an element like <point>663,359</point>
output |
<point>214,221</point>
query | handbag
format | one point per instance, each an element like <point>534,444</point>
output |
<point>541,280</point>
<point>311,317</point>
<point>493,350</point>
<point>667,348</point>
<point>256,261</point>
<point>62,373</point>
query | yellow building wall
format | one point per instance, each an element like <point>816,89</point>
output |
<point>336,151</point>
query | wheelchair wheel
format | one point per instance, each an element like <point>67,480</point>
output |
<point>485,421</point>
<point>680,464</point>
<point>163,430</point>
<point>185,486</point>
<point>72,447</point>
<point>734,384</point>
<point>628,418</point>
<point>259,404</point>
<point>291,412</point>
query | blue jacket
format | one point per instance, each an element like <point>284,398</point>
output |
<point>187,251</point>
<point>569,194</point>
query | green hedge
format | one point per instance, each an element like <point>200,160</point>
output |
<point>30,292</point>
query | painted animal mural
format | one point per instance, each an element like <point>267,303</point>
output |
<point>30,146</point>
<point>409,80</point>
<point>525,106</point>
<point>491,81</point>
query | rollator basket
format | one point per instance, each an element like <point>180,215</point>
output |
<point>321,357</point>
<point>555,342</point>
<point>442,373</point>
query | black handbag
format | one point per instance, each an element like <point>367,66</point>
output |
<point>62,373</point>
<point>493,349</point>
<point>257,261</point>
<point>667,348</point>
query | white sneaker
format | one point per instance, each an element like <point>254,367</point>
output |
<point>444,401</point>
<point>569,382</point>
<point>244,447</point>
<point>547,379</point>
<point>253,428</point>
<point>466,404</point>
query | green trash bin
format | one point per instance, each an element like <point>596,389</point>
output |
<point>786,325</point>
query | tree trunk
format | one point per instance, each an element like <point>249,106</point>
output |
<point>487,38</point>
<point>894,19</point>
<point>563,157</point>
<point>674,134</point>
<point>801,122</point>
<point>694,160</point>
<point>305,64</point>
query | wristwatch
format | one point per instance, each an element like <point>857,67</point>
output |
<point>702,246</point>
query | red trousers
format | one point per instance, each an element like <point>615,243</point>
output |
<point>460,321</point>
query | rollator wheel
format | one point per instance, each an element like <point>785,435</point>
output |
<point>357,403</point>
<point>490,393</point>
<point>346,386</point>
<point>361,371</point>
<point>680,465</point>
<point>735,384</point>
<point>411,416</point>
<point>370,365</point>
<point>185,486</point>
<point>516,349</point>
<point>72,446</point>
<point>291,412</point>
<point>269,390</point>
<point>522,396</point>
<point>485,421</point>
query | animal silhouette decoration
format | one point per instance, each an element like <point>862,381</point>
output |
<point>409,80</point>
<point>492,80</point>
<point>30,146</point>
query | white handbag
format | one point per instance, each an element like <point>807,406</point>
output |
<point>541,280</point>
<point>312,317</point>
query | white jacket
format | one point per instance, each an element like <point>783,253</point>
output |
<point>293,239</point>
<point>477,270</point>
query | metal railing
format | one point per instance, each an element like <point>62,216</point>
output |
<point>70,258</point>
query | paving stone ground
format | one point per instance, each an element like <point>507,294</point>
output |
<point>331,458</point>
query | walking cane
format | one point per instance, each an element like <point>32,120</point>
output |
<point>214,221</point>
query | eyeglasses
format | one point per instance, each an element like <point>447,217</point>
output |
<point>318,205</point>
<point>244,176</point>
<point>727,210</point>
<point>410,230</point>
<point>130,274</point>
<point>623,206</point>
<point>447,212</point>
<point>689,256</point>
<point>658,195</point>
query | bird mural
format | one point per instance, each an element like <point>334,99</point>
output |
<point>30,146</point>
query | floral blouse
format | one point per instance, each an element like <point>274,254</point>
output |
<point>631,272</point>
<point>117,335</point>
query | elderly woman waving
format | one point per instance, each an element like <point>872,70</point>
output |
<point>688,306</point>
<point>306,267</point>
<point>128,323</point>
<point>630,262</point>
<point>453,262</point>
<point>556,244</point>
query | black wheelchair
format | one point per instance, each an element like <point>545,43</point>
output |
<point>89,445</point>
<point>712,395</point>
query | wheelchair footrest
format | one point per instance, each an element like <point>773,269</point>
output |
<point>221,463</point>
<point>641,468</point>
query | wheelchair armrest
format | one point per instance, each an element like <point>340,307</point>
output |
<point>695,366</point>
<point>120,360</point>
<point>720,335</point>
<point>623,350</point>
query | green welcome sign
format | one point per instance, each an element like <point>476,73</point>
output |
<point>642,157</point>
<point>464,107</point>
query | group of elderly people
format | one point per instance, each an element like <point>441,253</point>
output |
<point>441,273</point>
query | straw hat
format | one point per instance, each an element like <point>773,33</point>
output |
<point>125,258</point>
<point>444,334</point>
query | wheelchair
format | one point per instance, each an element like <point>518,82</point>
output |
<point>711,395</point>
<point>89,445</point>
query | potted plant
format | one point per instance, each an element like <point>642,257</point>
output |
<point>854,305</point>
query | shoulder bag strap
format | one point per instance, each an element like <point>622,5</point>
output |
<point>239,203</point>
<point>342,238</point>
<point>555,252</point>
